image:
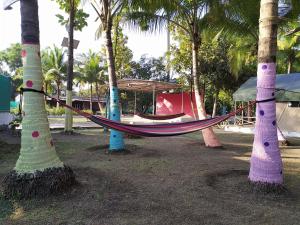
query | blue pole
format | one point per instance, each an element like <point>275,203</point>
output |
<point>116,142</point>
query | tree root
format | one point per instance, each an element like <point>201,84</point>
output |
<point>267,188</point>
<point>51,181</point>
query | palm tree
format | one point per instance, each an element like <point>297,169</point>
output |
<point>55,67</point>
<point>288,47</point>
<point>90,71</point>
<point>266,163</point>
<point>193,17</point>
<point>106,11</point>
<point>38,170</point>
<point>76,21</point>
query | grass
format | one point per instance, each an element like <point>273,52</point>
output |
<point>172,180</point>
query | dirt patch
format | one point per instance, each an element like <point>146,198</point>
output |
<point>170,180</point>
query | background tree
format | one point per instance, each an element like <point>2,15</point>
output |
<point>192,17</point>
<point>288,47</point>
<point>107,10</point>
<point>38,170</point>
<point>76,21</point>
<point>11,58</point>
<point>55,67</point>
<point>123,55</point>
<point>90,71</point>
<point>11,65</point>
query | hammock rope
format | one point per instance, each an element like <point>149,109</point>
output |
<point>156,130</point>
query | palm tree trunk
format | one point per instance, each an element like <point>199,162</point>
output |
<point>116,138</point>
<point>266,163</point>
<point>289,66</point>
<point>91,97</point>
<point>98,98</point>
<point>209,136</point>
<point>58,93</point>
<point>38,170</point>
<point>68,112</point>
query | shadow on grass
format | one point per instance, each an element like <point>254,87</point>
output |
<point>6,207</point>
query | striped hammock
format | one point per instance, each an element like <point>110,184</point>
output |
<point>156,130</point>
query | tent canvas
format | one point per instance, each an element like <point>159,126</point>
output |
<point>288,82</point>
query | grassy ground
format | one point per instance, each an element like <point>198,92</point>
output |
<point>62,120</point>
<point>163,181</point>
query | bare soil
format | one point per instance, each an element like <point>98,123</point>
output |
<point>158,181</point>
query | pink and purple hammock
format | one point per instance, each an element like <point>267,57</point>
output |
<point>156,130</point>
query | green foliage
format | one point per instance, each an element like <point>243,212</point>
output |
<point>11,57</point>
<point>123,55</point>
<point>149,68</point>
<point>53,66</point>
<point>80,15</point>
<point>55,111</point>
<point>288,49</point>
<point>89,68</point>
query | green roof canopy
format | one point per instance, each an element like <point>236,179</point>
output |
<point>289,83</point>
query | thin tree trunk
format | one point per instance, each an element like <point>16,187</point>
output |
<point>58,93</point>
<point>266,163</point>
<point>289,66</point>
<point>116,137</point>
<point>215,104</point>
<point>209,136</point>
<point>38,164</point>
<point>249,112</point>
<point>91,97</point>
<point>68,112</point>
<point>98,98</point>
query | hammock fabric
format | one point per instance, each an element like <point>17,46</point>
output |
<point>156,130</point>
<point>161,117</point>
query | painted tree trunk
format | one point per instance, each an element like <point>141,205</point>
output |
<point>68,112</point>
<point>37,150</point>
<point>116,142</point>
<point>209,136</point>
<point>266,163</point>
<point>38,170</point>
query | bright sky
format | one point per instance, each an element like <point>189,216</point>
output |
<point>52,33</point>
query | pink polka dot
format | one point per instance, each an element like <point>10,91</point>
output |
<point>23,53</point>
<point>29,83</point>
<point>35,134</point>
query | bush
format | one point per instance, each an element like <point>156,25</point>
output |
<point>14,111</point>
<point>55,111</point>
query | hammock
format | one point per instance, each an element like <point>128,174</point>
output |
<point>160,117</point>
<point>156,130</point>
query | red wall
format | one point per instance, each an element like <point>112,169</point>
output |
<point>171,103</point>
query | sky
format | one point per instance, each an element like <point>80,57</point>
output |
<point>154,45</point>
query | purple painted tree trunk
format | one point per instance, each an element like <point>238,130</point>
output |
<point>266,163</point>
